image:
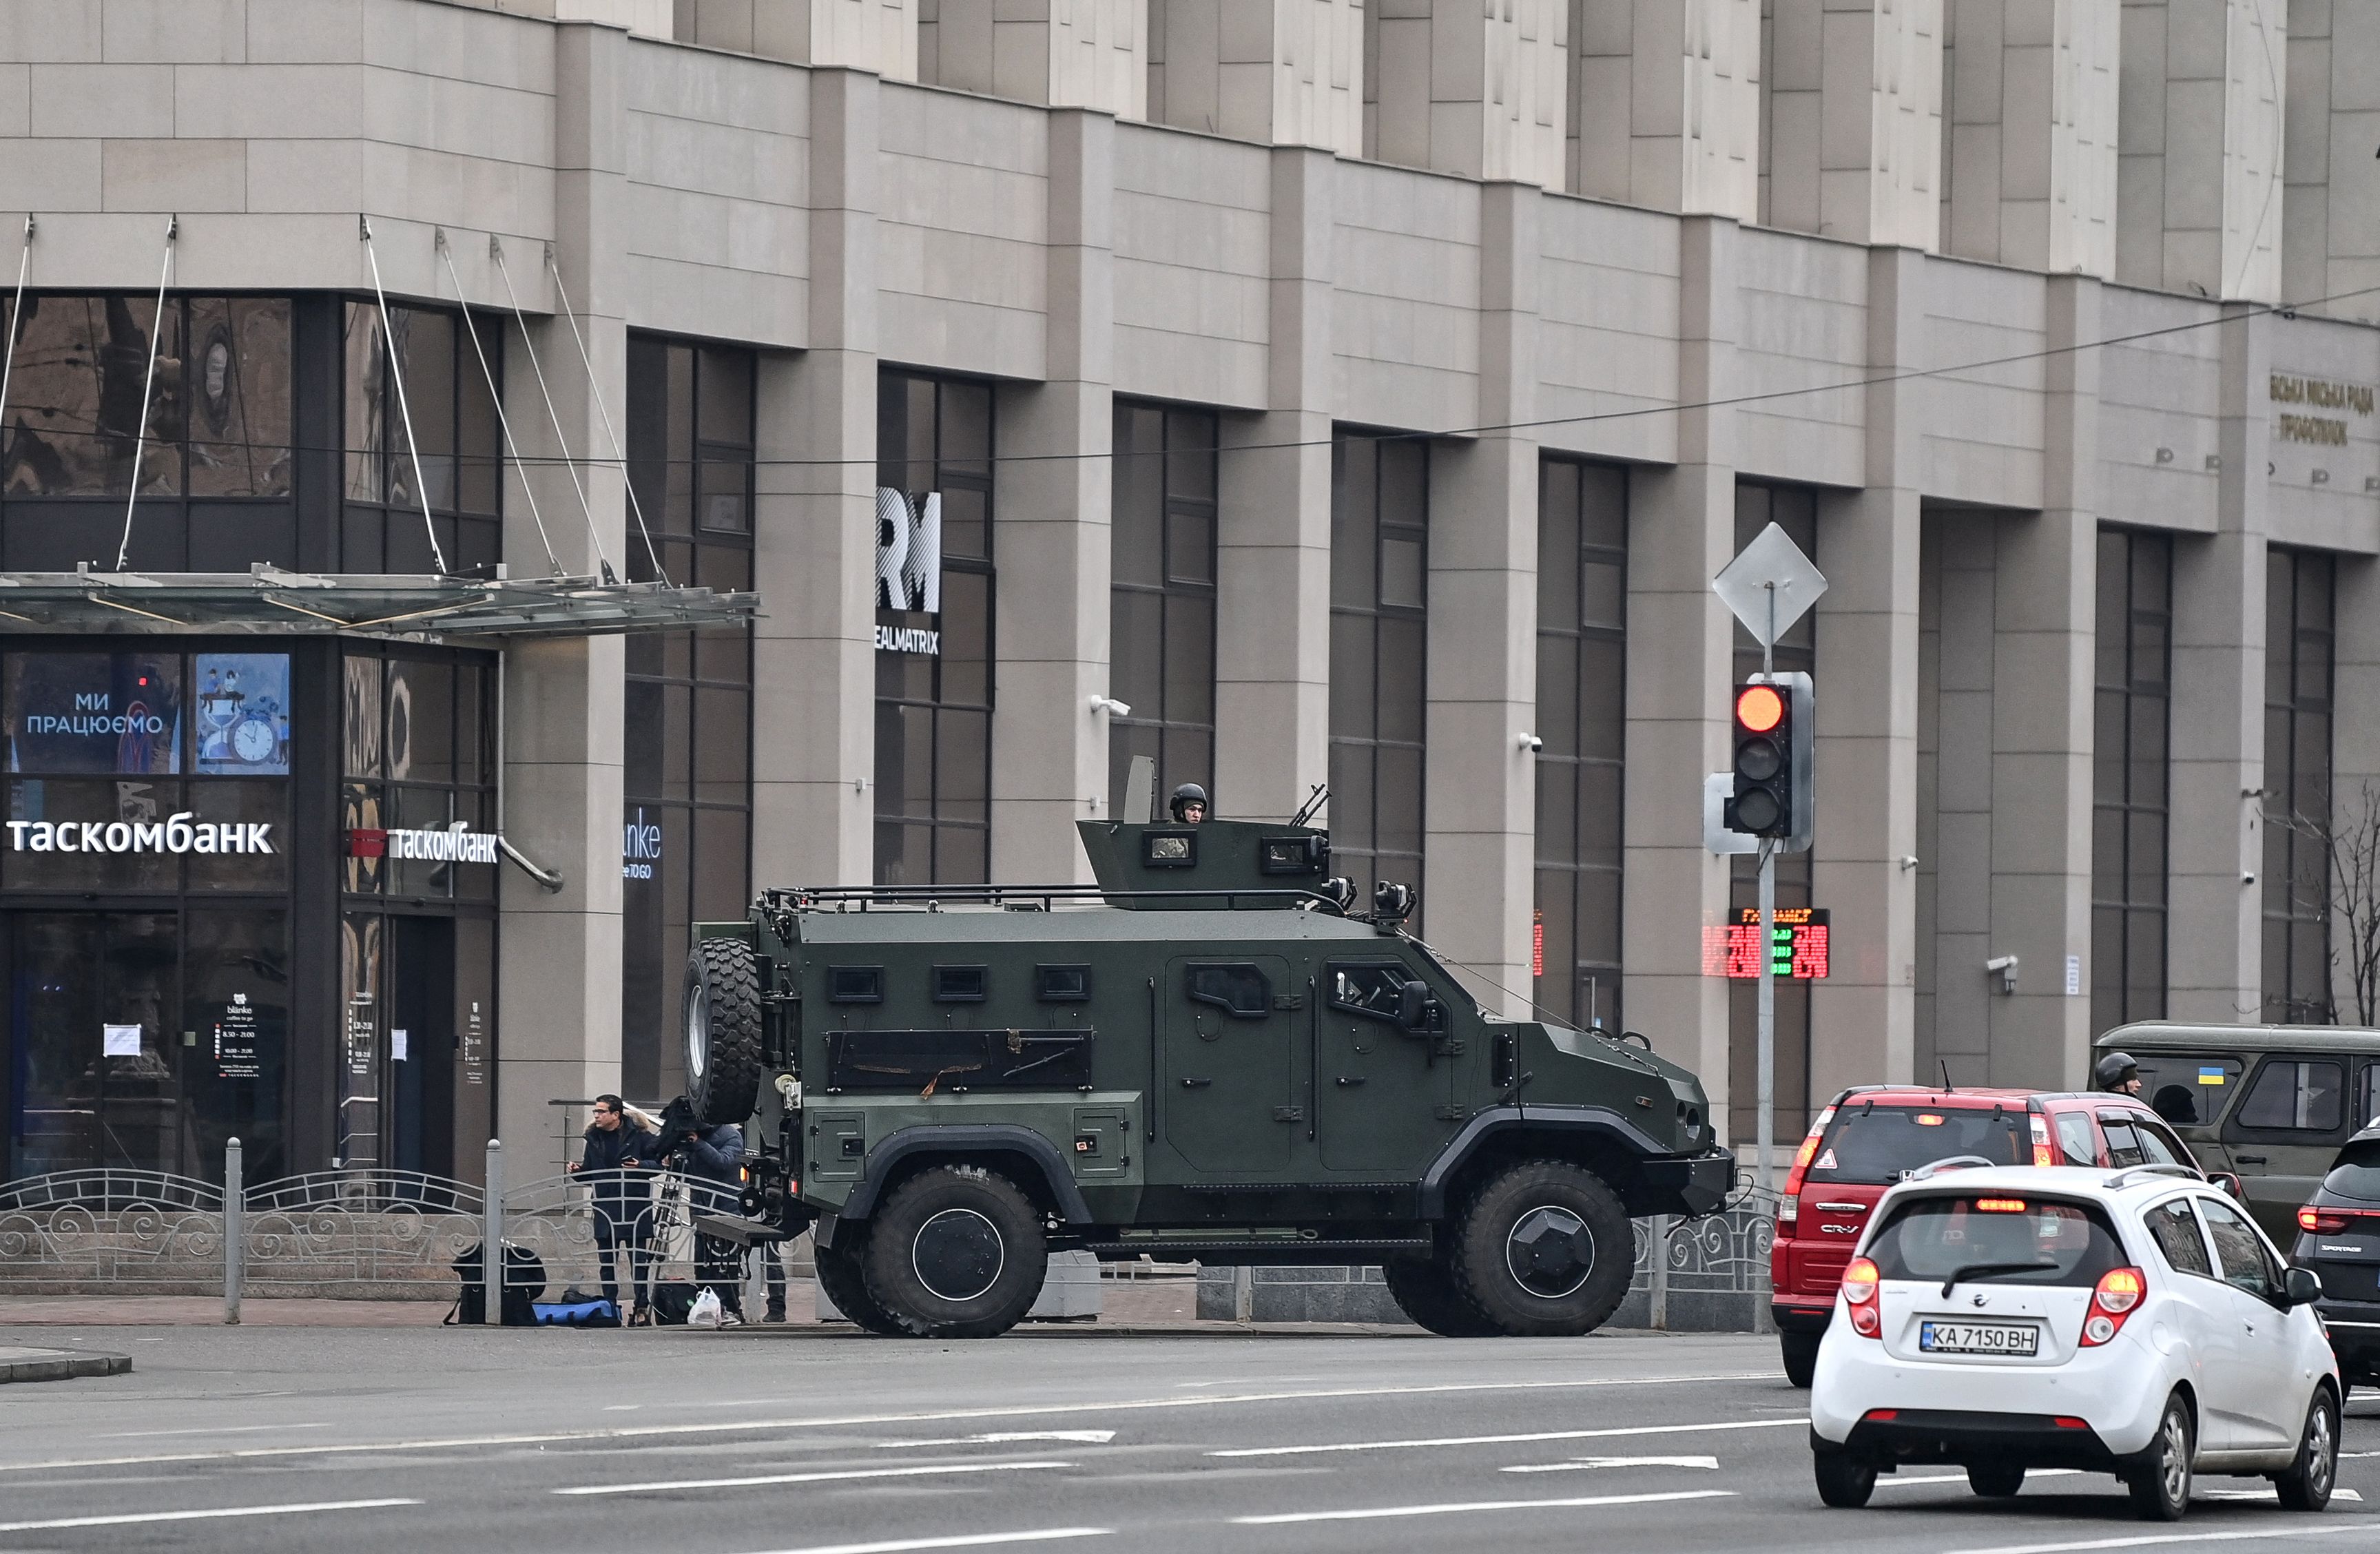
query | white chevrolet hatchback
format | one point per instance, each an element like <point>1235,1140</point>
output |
<point>2133,1322</point>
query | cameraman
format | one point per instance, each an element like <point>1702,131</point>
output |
<point>712,1159</point>
<point>616,1168</point>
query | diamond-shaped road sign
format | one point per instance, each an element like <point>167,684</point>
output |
<point>1769,584</point>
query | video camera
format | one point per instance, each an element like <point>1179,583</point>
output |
<point>679,1128</point>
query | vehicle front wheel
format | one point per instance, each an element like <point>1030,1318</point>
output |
<point>1844,1481</point>
<point>2160,1477</point>
<point>1426,1292</point>
<point>957,1251</point>
<point>1800,1352</point>
<point>839,1277</point>
<point>2307,1485</point>
<point>1996,1480</point>
<point>1545,1251</point>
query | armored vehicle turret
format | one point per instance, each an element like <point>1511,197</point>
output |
<point>1214,1052</point>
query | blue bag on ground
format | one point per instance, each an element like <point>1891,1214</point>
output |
<point>577,1313</point>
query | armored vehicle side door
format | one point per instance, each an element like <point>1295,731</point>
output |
<point>2285,1132</point>
<point>1379,1086</point>
<point>1229,1085</point>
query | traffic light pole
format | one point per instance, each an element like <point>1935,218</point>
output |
<point>1765,986</point>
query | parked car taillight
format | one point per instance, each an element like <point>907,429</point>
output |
<point>2325,1219</point>
<point>1861,1282</point>
<point>1791,1208</point>
<point>2119,1293</point>
<point>2041,1153</point>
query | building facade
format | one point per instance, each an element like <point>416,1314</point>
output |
<point>1296,397</point>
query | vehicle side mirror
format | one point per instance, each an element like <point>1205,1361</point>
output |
<point>2231,1184</point>
<point>1413,1005</point>
<point>2301,1286</point>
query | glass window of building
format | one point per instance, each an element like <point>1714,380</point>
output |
<point>1582,719</point>
<point>1379,640</point>
<point>685,838</point>
<point>1161,610</point>
<point>934,676</point>
<point>2130,777</point>
<point>1795,510</point>
<point>452,414</point>
<point>2300,591</point>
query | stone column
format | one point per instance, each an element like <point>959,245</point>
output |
<point>2329,247</point>
<point>2029,123</point>
<point>1286,75</point>
<point>1458,88</point>
<point>2199,183</point>
<point>879,36</point>
<point>1480,785</point>
<point>2215,757</point>
<point>1070,53</point>
<point>2354,730</point>
<point>1854,94</point>
<point>814,549</point>
<point>1664,105</point>
<point>1049,749</point>
<point>1272,619</point>
<point>558,975</point>
<point>1681,663</point>
<point>1861,1016</point>
<point>2045,605</point>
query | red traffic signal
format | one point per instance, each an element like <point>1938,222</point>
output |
<point>1772,759</point>
<point>1758,709</point>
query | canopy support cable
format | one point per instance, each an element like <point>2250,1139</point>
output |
<point>148,385</point>
<point>15,329</point>
<point>496,397</point>
<point>403,411</point>
<point>610,435</point>
<point>561,438</point>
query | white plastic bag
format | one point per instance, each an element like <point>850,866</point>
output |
<point>705,1313</point>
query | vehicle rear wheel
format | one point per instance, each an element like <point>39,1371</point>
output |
<point>1426,1292</point>
<point>957,1251</point>
<point>1544,1251</point>
<point>1996,1480</point>
<point>839,1276</point>
<point>2160,1477</point>
<point>1844,1481</point>
<point>2307,1485</point>
<point>721,1009</point>
<point>1800,1352</point>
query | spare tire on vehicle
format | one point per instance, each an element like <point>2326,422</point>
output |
<point>721,1008</point>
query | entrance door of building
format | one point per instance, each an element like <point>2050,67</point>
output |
<point>419,1078</point>
<point>94,1034</point>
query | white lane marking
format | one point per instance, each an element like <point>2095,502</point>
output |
<point>1894,1479</point>
<point>1009,1437</point>
<point>131,1518</point>
<point>211,1430</point>
<point>2359,1526</point>
<point>1379,1512</point>
<point>962,1540</point>
<point>827,1478</point>
<point>1578,1464</point>
<point>1030,1411</point>
<point>2268,1494</point>
<point>1507,1440</point>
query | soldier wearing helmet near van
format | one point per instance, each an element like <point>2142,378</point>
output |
<point>2118,1075</point>
<point>1189,805</point>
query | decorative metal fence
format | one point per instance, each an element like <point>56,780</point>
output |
<point>1704,1275</point>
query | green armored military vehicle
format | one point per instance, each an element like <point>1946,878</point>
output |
<point>1209,1054</point>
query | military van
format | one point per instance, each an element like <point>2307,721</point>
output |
<point>2270,1104</point>
<point>1215,1053</point>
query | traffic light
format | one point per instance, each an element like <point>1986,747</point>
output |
<point>1775,724</point>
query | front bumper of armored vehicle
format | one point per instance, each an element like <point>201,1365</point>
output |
<point>1689,1184</point>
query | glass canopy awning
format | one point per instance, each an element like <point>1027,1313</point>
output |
<point>267,600</point>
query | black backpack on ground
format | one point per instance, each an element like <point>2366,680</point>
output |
<point>523,1284</point>
<point>673,1299</point>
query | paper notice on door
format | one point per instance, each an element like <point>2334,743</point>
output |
<point>120,1041</point>
<point>397,1044</point>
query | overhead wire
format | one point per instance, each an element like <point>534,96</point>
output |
<point>496,398</point>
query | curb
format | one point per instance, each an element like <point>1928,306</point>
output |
<point>59,1365</point>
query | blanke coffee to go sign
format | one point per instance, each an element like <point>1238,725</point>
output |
<point>183,832</point>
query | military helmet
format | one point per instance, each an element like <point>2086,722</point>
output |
<point>2115,1068</point>
<point>1185,796</point>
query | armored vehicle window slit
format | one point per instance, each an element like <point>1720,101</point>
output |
<point>1061,984</point>
<point>1169,849</point>
<point>1372,991</point>
<point>1242,991</point>
<point>959,984</point>
<point>855,984</point>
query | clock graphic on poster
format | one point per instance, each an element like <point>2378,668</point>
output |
<point>236,730</point>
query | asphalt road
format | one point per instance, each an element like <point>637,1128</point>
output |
<point>261,1440</point>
